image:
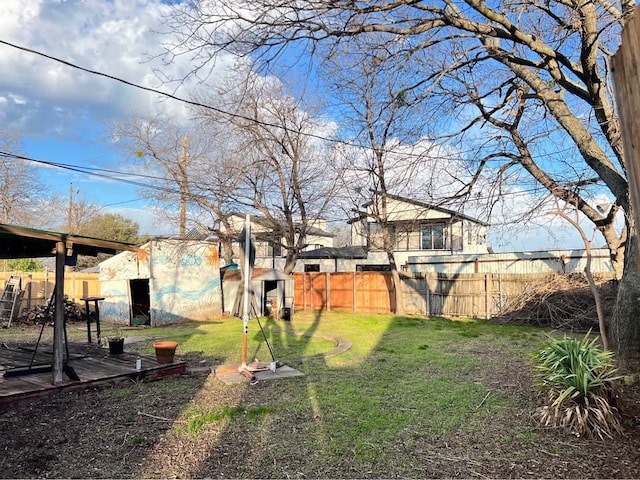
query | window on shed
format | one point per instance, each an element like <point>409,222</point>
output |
<point>312,267</point>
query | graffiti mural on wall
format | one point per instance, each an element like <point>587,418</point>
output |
<point>115,306</point>
<point>184,280</point>
<point>192,295</point>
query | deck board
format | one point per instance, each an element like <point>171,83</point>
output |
<point>92,364</point>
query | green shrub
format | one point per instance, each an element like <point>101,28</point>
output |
<point>581,387</point>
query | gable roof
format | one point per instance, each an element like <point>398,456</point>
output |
<point>427,206</point>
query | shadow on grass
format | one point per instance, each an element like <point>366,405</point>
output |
<point>414,398</point>
<point>418,388</point>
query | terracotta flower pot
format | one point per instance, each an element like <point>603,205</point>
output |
<point>165,351</point>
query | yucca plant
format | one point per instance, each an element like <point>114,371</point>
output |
<point>581,387</point>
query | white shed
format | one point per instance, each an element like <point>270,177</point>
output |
<point>272,292</point>
<point>166,281</point>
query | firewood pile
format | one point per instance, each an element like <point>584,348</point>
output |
<point>563,301</point>
<point>40,313</point>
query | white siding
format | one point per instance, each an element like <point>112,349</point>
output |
<point>184,281</point>
<point>567,261</point>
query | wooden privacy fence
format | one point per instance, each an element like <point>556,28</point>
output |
<point>38,286</point>
<point>480,295</point>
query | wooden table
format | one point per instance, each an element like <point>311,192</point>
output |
<point>95,301</point>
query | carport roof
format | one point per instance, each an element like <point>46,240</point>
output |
<point>24,242</point>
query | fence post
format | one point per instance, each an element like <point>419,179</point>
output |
<point>427,302</point>
<point>500,292</point>
<point>29,286</point>
<point>311,291</point>
<point>327,282</point>
<point>486,296</point>
<point>354,291</point>
<point>304,292</point>
<point>46,285</point>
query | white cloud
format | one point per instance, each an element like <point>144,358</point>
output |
<point>118,37</point>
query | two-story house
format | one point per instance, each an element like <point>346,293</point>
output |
<point>416,228</point>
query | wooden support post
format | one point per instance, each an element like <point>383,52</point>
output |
<point>58,319</point>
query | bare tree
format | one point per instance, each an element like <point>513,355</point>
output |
<point>158,146</point>
<point>192,170</point>
<point>22,193</point>
<point>546,58</point>
<point>286,173</point>
<point>381,97</point>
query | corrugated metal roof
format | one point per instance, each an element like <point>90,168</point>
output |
<point>25,242</point>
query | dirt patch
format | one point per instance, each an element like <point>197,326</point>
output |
<point>141,430</point>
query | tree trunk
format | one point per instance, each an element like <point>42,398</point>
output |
<point>227,249</point>
<point>397,291</point>
<point>624,331</point>
<point>398,308</point>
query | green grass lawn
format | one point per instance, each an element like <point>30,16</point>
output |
<point>403,381</point>
<point>413,397</point>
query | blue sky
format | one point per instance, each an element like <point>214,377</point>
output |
<point>64,114</point>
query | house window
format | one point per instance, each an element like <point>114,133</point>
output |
<point>432,236</point>
<point>274,249</point>
<point>312,267</point>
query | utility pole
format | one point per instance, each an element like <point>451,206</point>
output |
<point>183,189</point>
<point>70,209</point>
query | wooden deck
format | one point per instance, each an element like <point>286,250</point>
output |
<point>92,364</point>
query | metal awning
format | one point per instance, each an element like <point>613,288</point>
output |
<point>24,242</point>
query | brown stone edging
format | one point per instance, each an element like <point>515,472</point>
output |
<point>342,345</point>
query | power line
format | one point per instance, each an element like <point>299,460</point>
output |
<point>168,95</point>
<point>233,114</point>
<point>117,176</point>
<point>121,176</point>
<point>97,172</point>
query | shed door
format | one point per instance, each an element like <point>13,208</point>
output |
<point>140,302</point>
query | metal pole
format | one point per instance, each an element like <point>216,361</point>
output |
<point>245,296</point>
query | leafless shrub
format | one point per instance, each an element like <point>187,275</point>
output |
<point>561,301</point>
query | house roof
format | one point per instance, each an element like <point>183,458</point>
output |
<point>334,252</point>
<point>25,242</point>
<point>267,224</point>
<point>429,206</point>
<point>258,274</point>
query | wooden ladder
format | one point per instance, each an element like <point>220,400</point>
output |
<point>11,299</point>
